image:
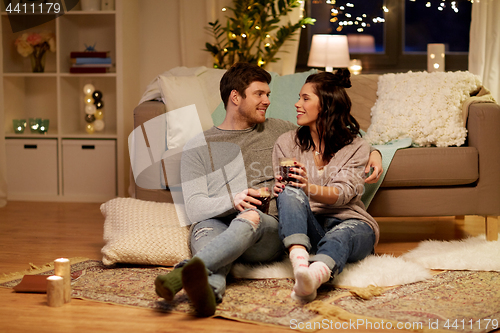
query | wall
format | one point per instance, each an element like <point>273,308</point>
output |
<point>156,40</point>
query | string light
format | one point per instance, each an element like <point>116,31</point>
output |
<point>340,13</point>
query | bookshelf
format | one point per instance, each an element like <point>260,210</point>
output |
<point>94,173</point>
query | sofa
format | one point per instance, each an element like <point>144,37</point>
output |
<point>420,181</point>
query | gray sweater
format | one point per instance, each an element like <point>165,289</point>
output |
<point>345,171</point>
<point>218,164</point>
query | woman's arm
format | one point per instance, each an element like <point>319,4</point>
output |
<point>345,183</point>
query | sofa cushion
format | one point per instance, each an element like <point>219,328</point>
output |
<point>284,94</point>
<point>363,95</point>
<point>434,166</point>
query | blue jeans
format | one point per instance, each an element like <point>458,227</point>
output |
<point>219,242</point>
<point>334,242</point>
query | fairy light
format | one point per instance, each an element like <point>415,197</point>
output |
<point>341,15</point>
<point>224,9</point>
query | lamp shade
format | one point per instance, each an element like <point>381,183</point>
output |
<point>329,51</point>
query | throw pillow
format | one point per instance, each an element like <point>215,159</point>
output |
<point>143,232</point>
<point>423,106</point>
<point>183,124</point>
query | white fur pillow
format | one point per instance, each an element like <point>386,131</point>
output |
<point>427,107</point>
<point>143,232</point>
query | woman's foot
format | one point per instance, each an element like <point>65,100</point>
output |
<point>308,280</point>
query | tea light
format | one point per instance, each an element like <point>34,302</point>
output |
<point>355,66</point>
<point>44,126</point>
<point>55,291</point>
<point>62,268</point>
<point>34,123</point>
<point>19,125</point>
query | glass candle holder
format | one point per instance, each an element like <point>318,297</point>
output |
<point>44,126</point>
<point>34,124</point>
<point>19,125</point>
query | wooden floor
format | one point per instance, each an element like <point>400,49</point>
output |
<point>38,233</point>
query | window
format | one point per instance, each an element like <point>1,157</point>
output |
<point>399,31</point>
<point>445,22</point>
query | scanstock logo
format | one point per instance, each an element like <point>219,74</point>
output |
<point>26,14</point>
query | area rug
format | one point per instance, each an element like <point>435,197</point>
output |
<point>472,253</point>
<point>462,301</point>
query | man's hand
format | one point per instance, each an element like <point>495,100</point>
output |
<point>247,199</point>
<point>375,162</point>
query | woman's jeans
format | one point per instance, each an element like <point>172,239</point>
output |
<point>334,242</point>
<point>219,242</point>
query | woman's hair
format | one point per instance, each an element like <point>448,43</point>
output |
<point>239,77</point>
<point>335,124</point>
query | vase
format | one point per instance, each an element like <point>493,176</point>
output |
<point>38,60</point>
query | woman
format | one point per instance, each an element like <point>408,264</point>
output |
<point>320,208</point>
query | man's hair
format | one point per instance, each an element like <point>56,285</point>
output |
<point>239,77</point>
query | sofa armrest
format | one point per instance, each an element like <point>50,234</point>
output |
<point>147,111</point>
<point>483,125</point>
<point>150,180</point>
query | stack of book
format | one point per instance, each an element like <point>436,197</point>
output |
<point>90,62</point>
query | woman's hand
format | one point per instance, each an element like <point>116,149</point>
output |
<point>299,173</point>
<point>279,186</point>
<point>375,162</point>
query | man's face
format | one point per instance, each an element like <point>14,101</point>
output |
<point>253,107</point>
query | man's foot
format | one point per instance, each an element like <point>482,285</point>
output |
<point>167,285</point>
<point>199,291</point>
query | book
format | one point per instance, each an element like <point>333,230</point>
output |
<point>91,65</point>
<point>82,61</point>
<point>90,54</point>
<point>88,70</point>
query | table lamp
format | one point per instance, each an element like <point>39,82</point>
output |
<point>329,51</point>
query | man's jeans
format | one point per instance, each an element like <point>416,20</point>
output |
<point>334,242</point>
<point>221,241</point>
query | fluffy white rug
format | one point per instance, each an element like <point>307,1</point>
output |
<point>379,271</point>
<point>473,253</point>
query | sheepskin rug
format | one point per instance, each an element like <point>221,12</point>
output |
<point>474,253</point>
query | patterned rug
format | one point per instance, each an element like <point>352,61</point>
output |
<point>461,301</point>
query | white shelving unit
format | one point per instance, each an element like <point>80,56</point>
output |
<point>57,95</point>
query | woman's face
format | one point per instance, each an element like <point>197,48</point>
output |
<point>308,107</point>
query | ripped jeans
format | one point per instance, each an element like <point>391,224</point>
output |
<point>219,242</point>
<point>334,242</point>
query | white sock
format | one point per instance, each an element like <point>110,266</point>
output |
<point>308,280</point>
<point>299,258</point>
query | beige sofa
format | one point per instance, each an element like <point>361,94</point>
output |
<point>432,181</point>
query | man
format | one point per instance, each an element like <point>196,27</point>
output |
<point>222,172</point>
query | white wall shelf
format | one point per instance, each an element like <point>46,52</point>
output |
<point>57,95</point>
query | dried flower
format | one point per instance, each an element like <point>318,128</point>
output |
<point>28,42</point>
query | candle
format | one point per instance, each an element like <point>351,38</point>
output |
<point>62,268</point>
<point>435,57</point>
<point>55,291</point>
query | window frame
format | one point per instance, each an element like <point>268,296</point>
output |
<point>394,59</point>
